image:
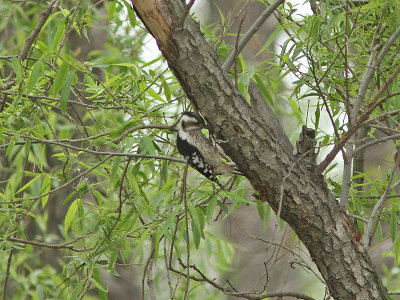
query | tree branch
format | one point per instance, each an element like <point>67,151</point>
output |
<point>379,205</point>
<point>50,246</point>
<point>257,145</point>
<point>370,71</point>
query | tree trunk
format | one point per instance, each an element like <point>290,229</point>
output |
<point>258,145</point>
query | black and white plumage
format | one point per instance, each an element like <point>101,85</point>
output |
<point>198,151</point>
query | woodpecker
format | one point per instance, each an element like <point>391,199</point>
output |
<point>198,151</point>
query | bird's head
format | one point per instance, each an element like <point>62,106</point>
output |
<point>191,121</point>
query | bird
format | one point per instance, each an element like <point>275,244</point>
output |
<point>198,150</point>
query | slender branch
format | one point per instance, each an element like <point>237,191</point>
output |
<point>252,296</point>
<point>377,209</point>
<point>242,17</point>
<point>353,129</point>
<point>385,114</point>
<point>130,130</point>
<point>7,275</point>
<point>378,196</point>
<point>253,29</point>
<point>357,217</point>
<point>144,272</point>
<point>185,13</point>
<point>80,103</point>
<point>111,154</point>
<point>50,246</point>
<point>348,153</point>
<point>280,246</point>
<point>347,172</point>
<point>377,141</point>
<point>370,70</point>
<point>375,103</point>
<point>184,196</point>
<point>150,282</point>
<point>70,21</point>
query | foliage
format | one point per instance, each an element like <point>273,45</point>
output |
<point>90,172</point>
<point>90,169</point>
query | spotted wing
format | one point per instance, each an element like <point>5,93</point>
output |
<point>210,153</point>
<point>196,159</point>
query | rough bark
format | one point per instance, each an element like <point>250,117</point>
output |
<point>258,145</point>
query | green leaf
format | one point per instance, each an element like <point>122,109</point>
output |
<point>164,171</point>
<point>73,208</point>
<point>60,78</point>
<point>17,67</point>
<point>96,280</point>
<point>271,38</point>
<point>267,216</point>
<point>133,183</point>
<point>102,291</point>
<point>263,89</point>
<point>46,185</point>
<point>65,92</point>
<point>115,168</point>
<point>58,35</point>
<point>113,259</point>
<point>98,196</point>
<point>211,207</point>
<point>194,215</point>
<point>28,184</point>
<point>151,62</point>
<point>155,95</point>
<point>260,209</point>
<point>196,235</point>
<point>40,292</point>
<point>393,225</point>
<point>131,14</point>
<point>35,75</point>
<point>317,116</point>
<point>146,145</point>
<point>397,249</point>
<point>111,10</point>
<point>66,200</point>
<point>167,90</point>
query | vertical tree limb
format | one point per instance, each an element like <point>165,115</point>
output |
<point>258,147</point>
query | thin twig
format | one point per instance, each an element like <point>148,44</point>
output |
<point>185,13</point>
<point>144,272</point>
<point>377,141</point>
<point>353,129</point>
<point>7,275</point>
<point>130,130</point>
<point>370,71</point>
<point>236,50</point>
<point>249,295</point>
<point>280,246</point>
<point>133,155</point>
<point>357,217</point>
<point>184,196</point>
<point>377,209</point>
<point>50,246</point>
